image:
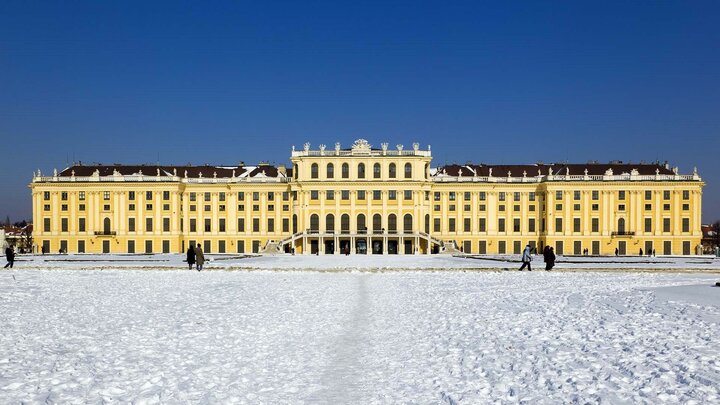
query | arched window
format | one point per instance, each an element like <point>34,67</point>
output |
<point>294,224</point>
<point>427,223</point>
<point>621,225</point>
<point>314,223</point>
<point>361,171</point>
<point>345,171</point>
<point>330,223</point>
<point>376,170</point>
<point>106,225</point>
<point>392,172</point>
<point>330,171</point>
<point>377,223</point>
<point>345,223</point>
<point>361,225</point>
<point>392,223</point>
<point>408,171</point>
<point>407,223</point>
<point>314,171</point>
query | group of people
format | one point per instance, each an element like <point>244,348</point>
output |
<point>10,256</point>
<point>195,257</point>
<point>548,257</point>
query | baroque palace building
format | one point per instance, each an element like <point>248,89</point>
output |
<point>365,200</point>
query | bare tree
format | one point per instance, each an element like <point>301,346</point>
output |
<point>716,233</point>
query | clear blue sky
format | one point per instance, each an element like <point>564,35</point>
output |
<point>221,82</point>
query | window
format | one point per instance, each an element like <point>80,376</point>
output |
<point>330,195</point>
<point>501,225</point>
<point>407,195</point>
<point>64,207</point>
<point>256,207</point>
<point>516,224</point>
<point>345,195</point>
<point>256,196</point>
<point>345,171</point>
<point>666,224</point>
<point>576,195</point>
<point>501,207</point>
<point>286,196</point>
<point>531,208</point>
<point>81,207</point>
<point>361,170</point>
<point>648,224</point>
<point>451,207</point>
<point>436,207</point>
<point>64,195</point>
<point>63,225</point>
<point>193,225</point>
<point>595,225</point>
<point>106,195</point>
<point>483,196</point>
<point>193,196</point>
<point>376,171</point>
<point>466,207</point>
<point>686,207</point>
<point>666,207</point>
<point>166,195</point>
<point>501,196</point>
<point>377,195</point>
<point>558,195</point>
<point>576,224</point>
<point>436,224</point>
<point>271,225</point>
<point>686,195</point>
<point>208,225</point>
<point>451,225</point>
<point>207,207</point>
<point>221,196</point>
<point>241,196</point>
<point>166,207</point>
<point>648,195</point>
<point>147,207</point>
<point>286,225</point>
<point>408,171</point>
<point>241,207</point>
<point>621,195</point>
<point>558,224</point>
<point>46,195</point>
<point>666,194</point>
<point>314,195</point>
<point>81,224</point>
<point>330,171</point>
<point>621,207</point>
<point>686,224</point>
<point>392,195</point>
<point>221,207</point>
<point>46,224</point>
<point>531,225</point>
<point>256,224</point>
<point>481,207</point>
<point>558,207</point>
<point>482,225</point>
<point>595,207</point>
<point>241,224</point>
<point>314,171</point>
<point>361,194</point>
<point>131,224</point>
<point>436,196</point>
<point>531,196</point>
<point>648,207</point>
<point>516,196</point>
<point>576,207</point>
<point>148,224</point>
<point>407,223</point>
<point>166,224</point>
<point>106,207</point>
<point>148,195</point>
<point>392,172</point>
<point>595,195</point>
<point>452,196</point>
<point>516,207</point>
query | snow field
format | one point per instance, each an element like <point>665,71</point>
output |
<point>347,337</point>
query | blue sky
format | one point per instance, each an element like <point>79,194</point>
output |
<point>222,82</point>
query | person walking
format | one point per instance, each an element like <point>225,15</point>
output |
<point>190,257</point>
<point>641,252</point>
<point>10,256</point>
<point>617,251</point>
<point>199,257</point>
<point>526,258</point>
<point>550,259</point>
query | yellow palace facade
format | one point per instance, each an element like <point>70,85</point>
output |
<point>364,200</point>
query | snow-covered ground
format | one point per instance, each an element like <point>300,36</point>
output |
<point>119,331</point>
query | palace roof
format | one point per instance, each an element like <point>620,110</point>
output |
<point>531,170</point>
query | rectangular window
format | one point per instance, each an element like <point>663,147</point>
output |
<point>467,225</point>
<point>466,207</point>
<point>64,207</point>
<point>361,195</point>
<point>436,196</point>
<point>63,225</point>
<point>131,224</point>
<point>221,196</point>
<point>256,196</point>
<point>193,197</point>
<point>207,196</point>
<point>451,225</point>
<point>166,207</point>
<point>516,207</point>
<point>193,225</point>
<point>256,224</point>
<point>81,207</point>
<point>207,207</point>
<point>576,224</point>
<point>666,194</point>
<point>241,207</point>
<point>286,196</point>
<point>314,195</point>
<point>241,224</point>
<point>648,207</point>
<point>81,246</point>
<point>595,195</point>
<point>686,224</point>
<point>595,207</point>
<point>595,225</point>
<point>193,208</point>
<point>345,195</point>
<point>81,224</point>
<point>221,246</point>
<point>501,225</point>
<point>46,207</point>
<point>482,225</point>
<point>467,196</point>
<point>285,225</point>
<point>531,196</point>
<point>436,224</point>
<point>501,196</point>
<point>666,207</point>
<point>208,225</point>
<point>221,207</point>
<point>148,224</point>
<point>648,224</point>
<point>271,225</point>
<point>621,195</point>
<point>131,246</point>
<point>483,196</point>
<point>241,196</point>
<point>451,207</point>
<point>516,196</point>
<point>166,224</point>
<point>131,195</point>
<point>148,246</point>
<point>46,195</point>
<point>501,247</point>
<point>377,195</point>
<point>330,195</point>
<point>407,195</point>
<point>207,245</point>
<point>516,225</point>
<point>576,195</point>
<point>166,195</point>
<point>576,207</point>
<point>147,207</point>
<point>558,207</point>
<point>286,207</point>
<point>148,195</point>
<point>106,195</point>
<point>46,224</point>
<point>64,195</point>
<point>241,246</point>
<point>648,195</point>
<point>558,195</point>
<point>482,207</point>
<point>666,224</point>
<point>686,207</point>
<point>531,224</point>
<point>558,224</point>
<point>271,207</point>
<point>686,195</point>
<point>392,195</point>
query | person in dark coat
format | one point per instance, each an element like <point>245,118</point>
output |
<point>199,257</point>
<point>190,257</point>
<point>617,251</point>
<point>10,256</point>
<point>550,259</point>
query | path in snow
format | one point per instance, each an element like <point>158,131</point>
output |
<point>293,337</point>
